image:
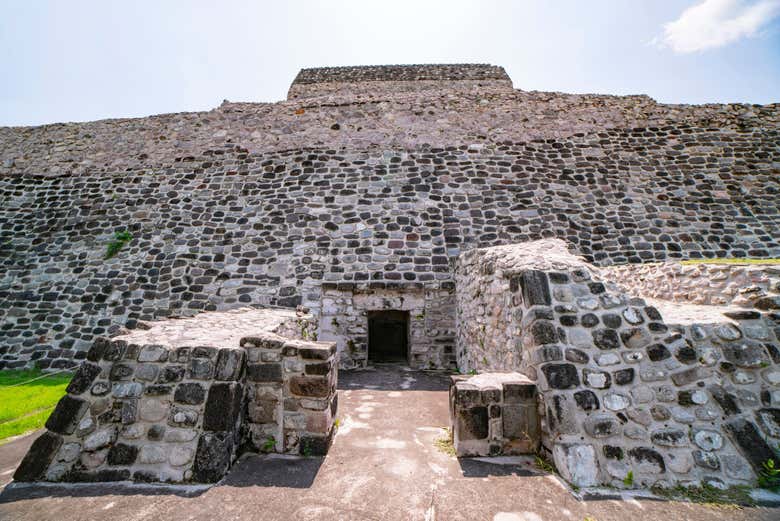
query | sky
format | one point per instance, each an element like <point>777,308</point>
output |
<point>82,60</point>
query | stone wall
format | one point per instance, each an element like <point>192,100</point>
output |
<point>176,403</point>
<point>745,285</point>
<point>366,182</point>
<point>622,390</point>
<point>230,228</point>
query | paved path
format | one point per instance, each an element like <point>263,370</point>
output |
<point>384,465</point>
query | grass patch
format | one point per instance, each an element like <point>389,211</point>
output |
<point>26,407</point>
<point>730,261</point>
<point>544,465</point>
<point>445,445</point>
<point>732,497</point>
<point>120,239</point>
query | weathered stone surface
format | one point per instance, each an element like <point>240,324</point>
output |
<point>264,372</point>
<point>561,376</point>
<point>37,460</point>
<point>189,393</point>
<point>586,400</point>
<point>472,423</point>
<point>769,420</point>
<point>230,364</point>
<point>647,460</point>
<point>83,378</point>
<point>749,441</point>
<point>535,288</point>
<point>122,454</point>
<point>577,463</point>
<point>223,407</point>
<point>670,437</point>
<point>601,426</point>
<point>66,414</point>
<point>312,386</point>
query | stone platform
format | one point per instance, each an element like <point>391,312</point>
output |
<point>179,400</point>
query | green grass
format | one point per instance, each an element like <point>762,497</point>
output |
<point>731,261</point>
<point>26,407</point>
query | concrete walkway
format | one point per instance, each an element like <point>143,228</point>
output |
<point>384,465</point>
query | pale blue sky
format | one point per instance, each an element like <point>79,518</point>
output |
<point>80,60</point>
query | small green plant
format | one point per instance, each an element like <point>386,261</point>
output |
<point>307,450</point>
<point>544,465</point>
<point>445,445</point>
<point>120,239</point>
<point>473,371</point>
<point>629,479</point>
<point>769,477</point>
<point>337,422</point>
<point>269,444</point>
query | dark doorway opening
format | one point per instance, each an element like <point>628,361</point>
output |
<point>388,336</point>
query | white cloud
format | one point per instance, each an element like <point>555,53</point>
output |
<point>715,23</point>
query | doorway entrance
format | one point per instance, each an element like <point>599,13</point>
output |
<point>388,336</point>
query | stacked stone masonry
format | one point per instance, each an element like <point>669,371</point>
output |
<point>622,390</point>
<point>494,414</point>
<point>403,189</point>
<point>168,412</point>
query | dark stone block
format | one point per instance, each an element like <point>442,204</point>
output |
<point>561,376</point>
<point>586,400</point>
<point>658,352</point>
<point>156,432</point>
<point>623,376</point>
<point>748,439</point>
<point>558,278</point>
<point>611,320</point>
<point>568,320</point>
<point>321,369</point>
<point>66,415</point>
<point>689,376</point>
<point>601,426</point>
<point>686,355</point>
<point>223,407</point>
<point>467,396</point>
<point>39,457</point>
<point>83,378</point>
<point>264,372</point>
<point>746,354</point>
<point>652,313</point>
<point>577,356</point>
<point>645,456</point>
<point>743,315</point>
<point>190,393</point>
<point>230,364</point>
<point>213,456</point>
<point>535,288</point>
<point>122,454</point>
<point>114,351</point>
<point>120,372</point>
<point>518,421</point>
<point>519,392</point>
<point>171,373</point>
<point>544,332</point>
<point>494,411</point>
<point>98,349</point>
<point>158,390</point>
<point>472,423</point>
<point>612,452</point>
<point>589,320</point>
<point>606,338</point>
<point>316,353</point>
<point>310,386</point>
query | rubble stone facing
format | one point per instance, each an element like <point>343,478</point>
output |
<point>187,424</point>
<point>671,403</point>
<point>710,284</point>
<point>377,182</point>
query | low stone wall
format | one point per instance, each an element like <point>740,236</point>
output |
<point>745,285</point>
<point>144,407</point>
<point>492,414</point>
<point>627,399</point>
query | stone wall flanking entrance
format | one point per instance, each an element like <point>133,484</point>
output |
<point>343,319</point>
